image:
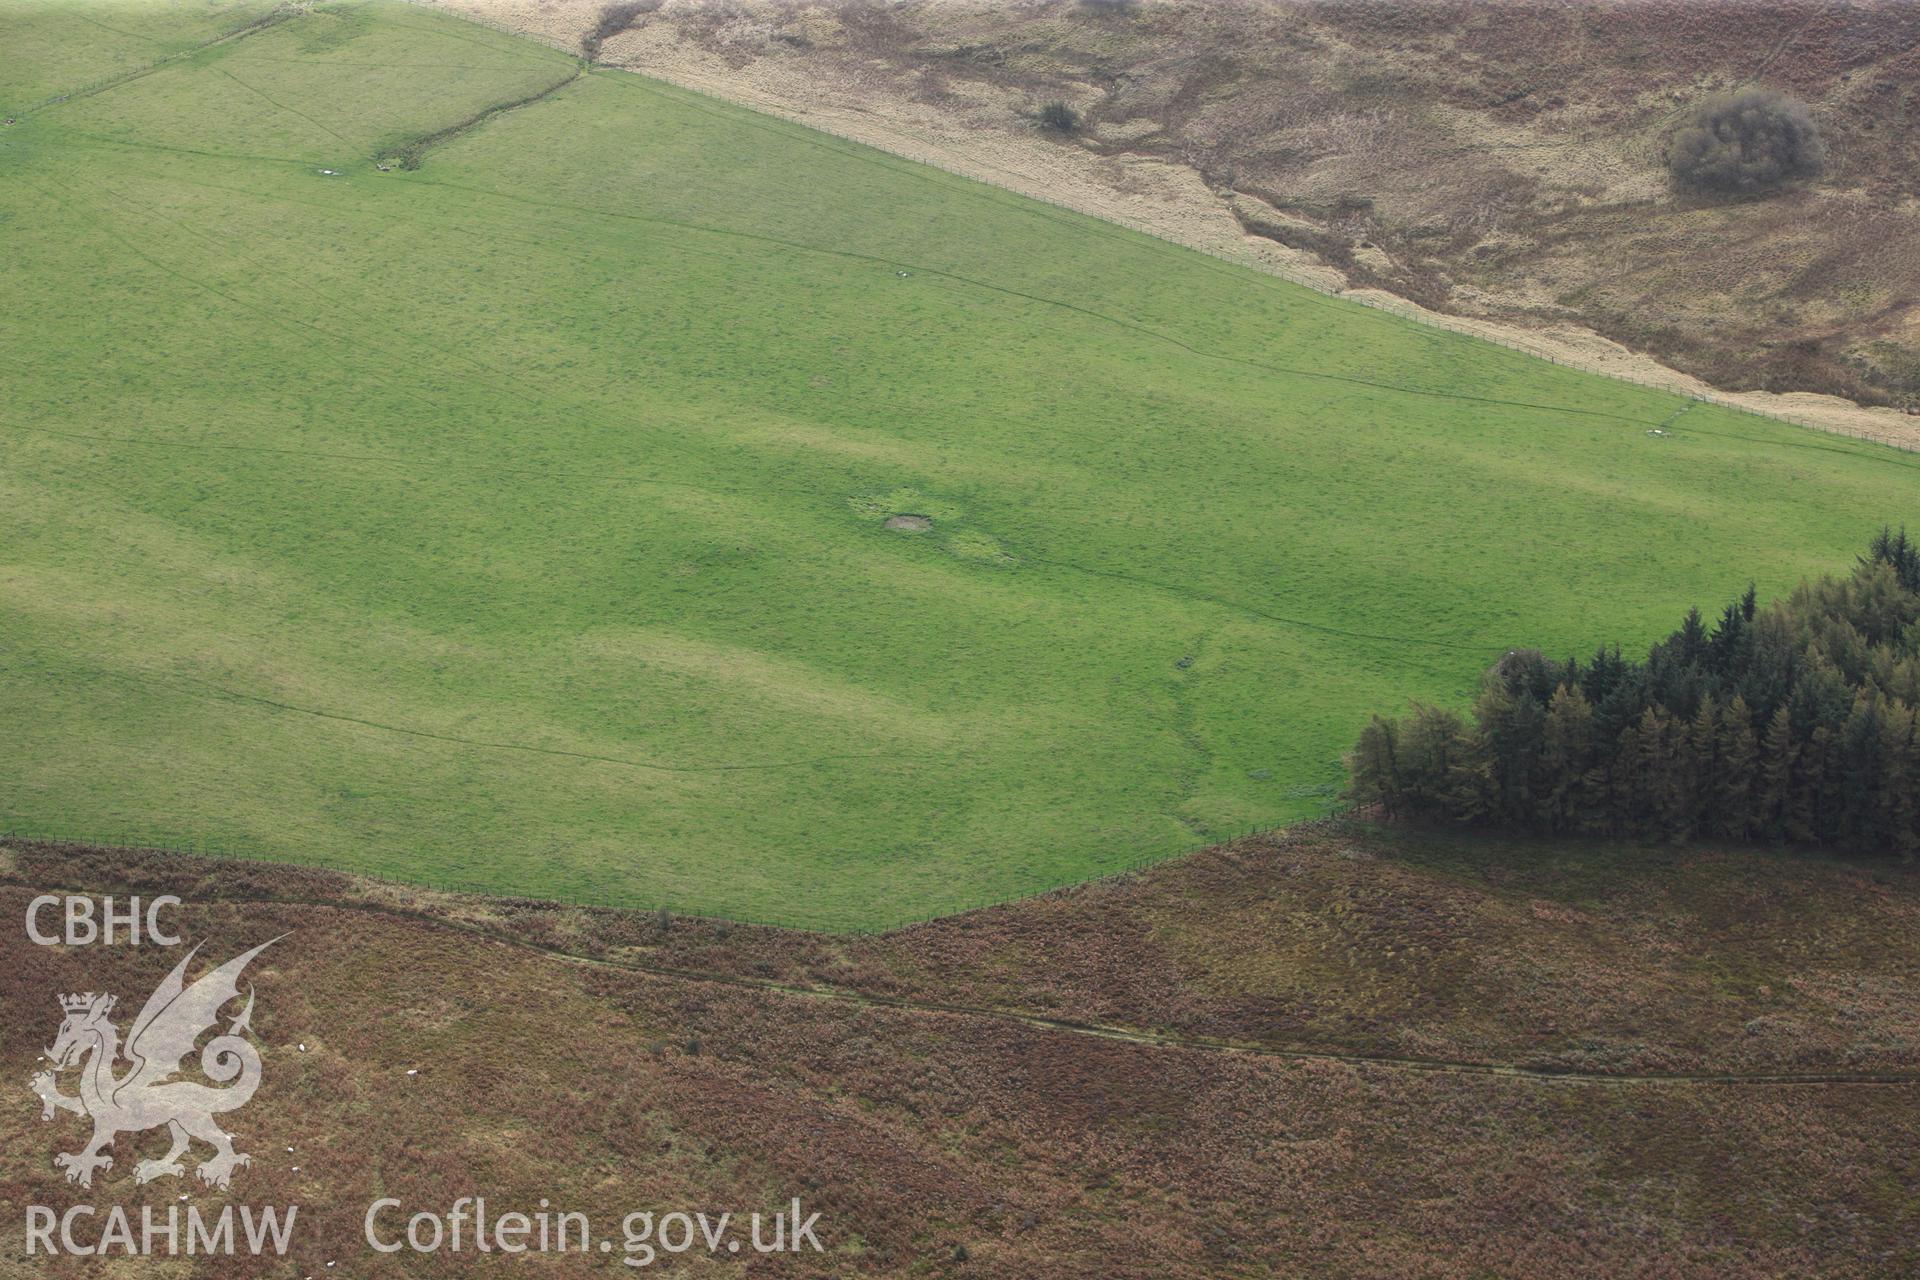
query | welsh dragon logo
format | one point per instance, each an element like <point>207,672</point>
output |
<point>147,1095</point>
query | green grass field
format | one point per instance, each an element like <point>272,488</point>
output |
<point>518,519</point>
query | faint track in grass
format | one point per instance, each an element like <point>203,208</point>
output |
<point>1129,326</point>
<point>487,744</point>
<point>1155,335</point>
<point>272,19</point>
<point>278,105</point>
<point>1242,607</point>
<point>415,465</point>
<point>407,464</point>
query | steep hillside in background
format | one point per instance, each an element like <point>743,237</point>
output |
<point>1501,162</point>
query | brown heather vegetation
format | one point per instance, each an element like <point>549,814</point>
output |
<point>1039,1151</point>
<point>1499,161</point>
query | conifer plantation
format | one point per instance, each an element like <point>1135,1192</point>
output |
<point>1792,723</point>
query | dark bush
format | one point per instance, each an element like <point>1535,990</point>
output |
<point>614,19</point>
<point>1059,117</point>
<point>1745,143</point>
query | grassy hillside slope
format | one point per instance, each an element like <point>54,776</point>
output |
<point>1500,161</point>
<point>518,518</point>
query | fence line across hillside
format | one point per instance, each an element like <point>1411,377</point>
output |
<point>14,827</point>
<point>1433,321</point>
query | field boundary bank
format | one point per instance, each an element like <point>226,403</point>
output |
<point>413,154</point>
<point>1069,1026</point>
<point>1401,307</point>
<point>272,18</point>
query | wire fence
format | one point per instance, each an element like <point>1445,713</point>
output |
<point>1028,190</point>
<point>1400,308</point>
<point>19,828</point>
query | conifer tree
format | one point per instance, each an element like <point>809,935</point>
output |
<point>1670,797</point>
<point>1900,552</point>
<point>1691,640</point>
<point>1698,766</point>
<point>1774,801</point>
<point>1862,771</point>
<point>1514,731</point>
<point>1628,795</point>
<point>1375,766</point>
<point>1566,757</point>
<point>1441,768</point>
<point>1900,785</point>
<point>1737,754</point>
<point>1796,722</point>
<point>1814,815</point>
<point>1727,646</point>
